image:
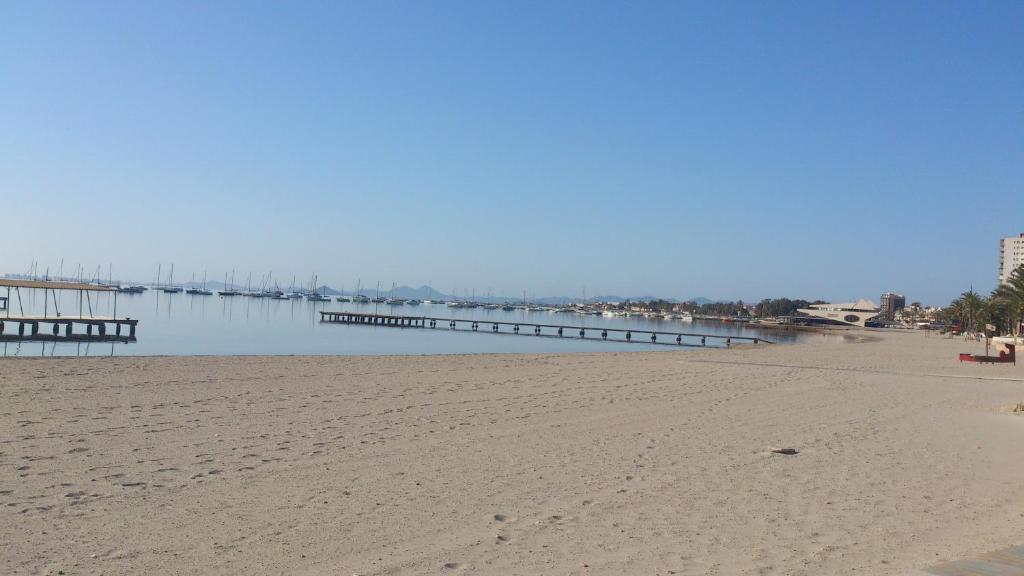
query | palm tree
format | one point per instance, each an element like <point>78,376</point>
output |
<point>972,306</point>
<point>1011,295</point>
<point>953,312</point>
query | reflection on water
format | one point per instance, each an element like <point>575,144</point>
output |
<point>178,324</point>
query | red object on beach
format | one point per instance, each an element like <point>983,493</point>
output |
<point>1007,355</point>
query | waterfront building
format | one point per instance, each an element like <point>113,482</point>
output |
<point>891,304</point>
<point>1011,256</point>
<point>852,313</point>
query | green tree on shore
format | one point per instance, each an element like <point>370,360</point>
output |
<point>965,310</point>
<point>1010,297</point>
<point>1004,308</point>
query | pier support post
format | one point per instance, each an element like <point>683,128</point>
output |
<point>703,341</point>
<point>103,329</point>
<point>117,329</point>
<point>56,328</point>
<point>67,329</point>
<point>629,336</point>
<point>728,342</point>
<point>604,334</point>
<point>516,328</point>
<point>21,328</point>
<point>88,329</point>
<point>131,330</point>
<point>679,339</point>
<point>1,326</point>
<point>35,328</point>
<point>494,328</point>
<point>559,331</point>
<point>583,333</point>
<point>654,338</point>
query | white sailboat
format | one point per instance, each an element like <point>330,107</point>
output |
<point>170,288</point>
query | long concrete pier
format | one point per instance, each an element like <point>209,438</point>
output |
<point>671,338</point>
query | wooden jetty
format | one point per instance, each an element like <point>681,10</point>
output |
<point>671,338</point>
<point>55,327</point>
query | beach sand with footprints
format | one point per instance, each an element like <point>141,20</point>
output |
<point>617,463</point>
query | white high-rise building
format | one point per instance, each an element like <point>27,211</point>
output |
<point>1011,256</point>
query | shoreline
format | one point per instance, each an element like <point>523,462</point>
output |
<point>581,462</point>
<point>662,349</point>
<point>641,348</point>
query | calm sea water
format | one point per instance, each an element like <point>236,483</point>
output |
<point>182,324</point>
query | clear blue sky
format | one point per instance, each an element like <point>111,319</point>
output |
<point>729,150</point>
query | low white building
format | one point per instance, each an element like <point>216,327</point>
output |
<point>852,313</point>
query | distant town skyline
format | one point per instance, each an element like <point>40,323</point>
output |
<point>730,151</point>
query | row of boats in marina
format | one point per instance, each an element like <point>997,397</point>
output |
<point>583,310</point>
<point>314,294</point>
<point>271,294</point>
<point>230,289</point>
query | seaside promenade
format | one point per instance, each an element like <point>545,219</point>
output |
<point>586,463</point>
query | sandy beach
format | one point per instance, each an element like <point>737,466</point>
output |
<point>618,463</point>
